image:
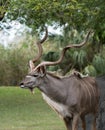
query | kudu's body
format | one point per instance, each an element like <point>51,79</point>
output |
<point>71,97</point>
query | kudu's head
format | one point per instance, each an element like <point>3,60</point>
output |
<point>37,73</point>
<point>32,79</point>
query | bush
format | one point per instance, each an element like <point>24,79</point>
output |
<point>14,60</point>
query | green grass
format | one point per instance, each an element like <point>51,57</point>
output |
<point>20,110</point>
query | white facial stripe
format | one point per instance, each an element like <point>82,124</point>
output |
<point>28,76</point>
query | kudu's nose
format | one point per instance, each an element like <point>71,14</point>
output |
<point>21,85</point>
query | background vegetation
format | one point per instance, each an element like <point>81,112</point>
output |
<point>75,17</point>
<point>14,60</point>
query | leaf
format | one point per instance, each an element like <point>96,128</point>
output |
<point>90,70</point>
<point>99,63</point>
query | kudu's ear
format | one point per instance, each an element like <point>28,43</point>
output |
<point>42,71</point>
<point>31,65</point>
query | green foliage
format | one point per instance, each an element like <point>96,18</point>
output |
<point>90,70</point>
<point>99,63</point>
<point>3,8</point>
<point>51,56</point>
<point>14,62</point>
<point>14,59</point>
<point>71,14</point>
<point>78,14</point>
<point>80,57</point>
<point>11,66</point>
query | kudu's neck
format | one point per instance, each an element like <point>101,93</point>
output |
<point>53,87</point>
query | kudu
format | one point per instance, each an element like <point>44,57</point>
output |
<point>72,97</point>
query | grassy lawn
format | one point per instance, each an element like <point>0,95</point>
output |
<point>20,110</point>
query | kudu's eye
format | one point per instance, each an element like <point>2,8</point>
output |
<point>35,75</point>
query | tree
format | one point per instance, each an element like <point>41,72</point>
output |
<point>72,14</point>
<point>75,13</point>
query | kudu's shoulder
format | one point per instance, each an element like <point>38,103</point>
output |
<point>80,78</point>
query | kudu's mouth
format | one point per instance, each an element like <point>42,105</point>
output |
<point>27,87</point>
<point>31,89</point>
